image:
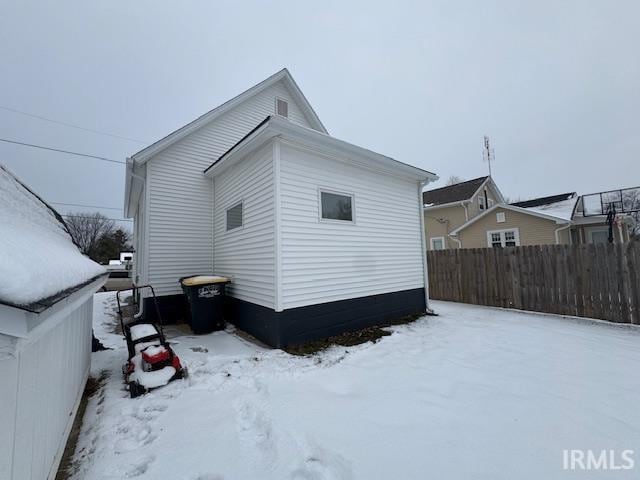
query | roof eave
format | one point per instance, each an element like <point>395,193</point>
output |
<point>276,126</point>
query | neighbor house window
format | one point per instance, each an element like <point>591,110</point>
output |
<point>500,217</point>
<point>234,217</point>
<point>282,107</point>
<point>599,236</point>
<point>503,238</point>
<point>336,206</point>
<point>437,243</point>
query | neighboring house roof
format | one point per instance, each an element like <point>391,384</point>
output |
<point>538,202</point>
<point>273,126</point>
<point>453,193</point>
<point>527,211</point>
<point>562,209</point>
<point>283,75</point>
<point>39,263</point>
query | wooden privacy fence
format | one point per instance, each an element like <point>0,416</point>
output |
<point>597,281</point>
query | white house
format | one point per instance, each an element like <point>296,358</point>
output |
<point>46,302</point>
<point>318,235</point>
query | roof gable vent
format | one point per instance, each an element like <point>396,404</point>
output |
<point>282,107</point>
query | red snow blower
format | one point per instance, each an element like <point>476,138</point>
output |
<point>152,362</point>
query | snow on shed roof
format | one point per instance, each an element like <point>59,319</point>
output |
<point>38,259</point>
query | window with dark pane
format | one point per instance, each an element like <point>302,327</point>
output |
<point>336,206</point>
<point>234,217</point>
<point>496,240</point>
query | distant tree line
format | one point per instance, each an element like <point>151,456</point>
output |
<point>97,236</point>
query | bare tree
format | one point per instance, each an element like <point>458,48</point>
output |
<point>88,230</point>
<point>453,179</point>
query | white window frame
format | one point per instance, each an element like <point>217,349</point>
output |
<point>444,245</point>
<point>322,190</point>
<point>501,217</point>
<point>276,106</point>
<point>226,210</point>
<point>516,234</point>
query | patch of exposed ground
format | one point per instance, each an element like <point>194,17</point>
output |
<point>348,339</point>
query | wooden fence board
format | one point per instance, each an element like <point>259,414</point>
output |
<point>598,281</point>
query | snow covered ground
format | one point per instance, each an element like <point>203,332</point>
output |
<point>476,393</point>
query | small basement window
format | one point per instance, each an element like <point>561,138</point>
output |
<point>336,206</point>
<point>437,243</point>
<point>282,107</point>
<point>234,217</point>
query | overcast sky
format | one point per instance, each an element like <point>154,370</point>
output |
<point>555,85</point>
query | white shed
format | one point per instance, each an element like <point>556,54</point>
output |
<point>46,302</point>
<point>318,235</point>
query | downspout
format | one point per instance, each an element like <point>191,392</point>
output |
<point>130,167</point>
<point>423,246</point>
<point>455,239</point>
<point>466,212</point>
<point>558,230</point>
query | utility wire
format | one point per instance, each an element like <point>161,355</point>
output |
<point>88,206</point>
<point>105,159</point>
<point>84,216</point>
<point>39,117</point>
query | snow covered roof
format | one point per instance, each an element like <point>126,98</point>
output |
<point>540,201</point>
<point>38,260</point>
<point>562,209</point>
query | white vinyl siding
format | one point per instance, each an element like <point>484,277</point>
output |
<point>247,254</point>
<point>180,225</point>
<point>43,381</point>
<point>329,261</point>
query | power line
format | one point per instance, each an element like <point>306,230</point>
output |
<point>105,159</point>
<point>66,124</point>
<point>85,216</point>
<point>88,206</point>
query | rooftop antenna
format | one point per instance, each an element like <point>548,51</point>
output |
<point>487,153</point>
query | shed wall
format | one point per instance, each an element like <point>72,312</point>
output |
<point>324,262</point>
<point>43,382</point>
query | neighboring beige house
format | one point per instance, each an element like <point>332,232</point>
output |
<point>473,215</point>
<point>447,208</point>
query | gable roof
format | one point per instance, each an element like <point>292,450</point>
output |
<point>453,193</point>
<point>538,202</point>
<point>283,75</point>
<point>273,126</point>
<point>513,208</point>
<point>39,263</point>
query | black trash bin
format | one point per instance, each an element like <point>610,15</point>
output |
<point>205,296</point>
